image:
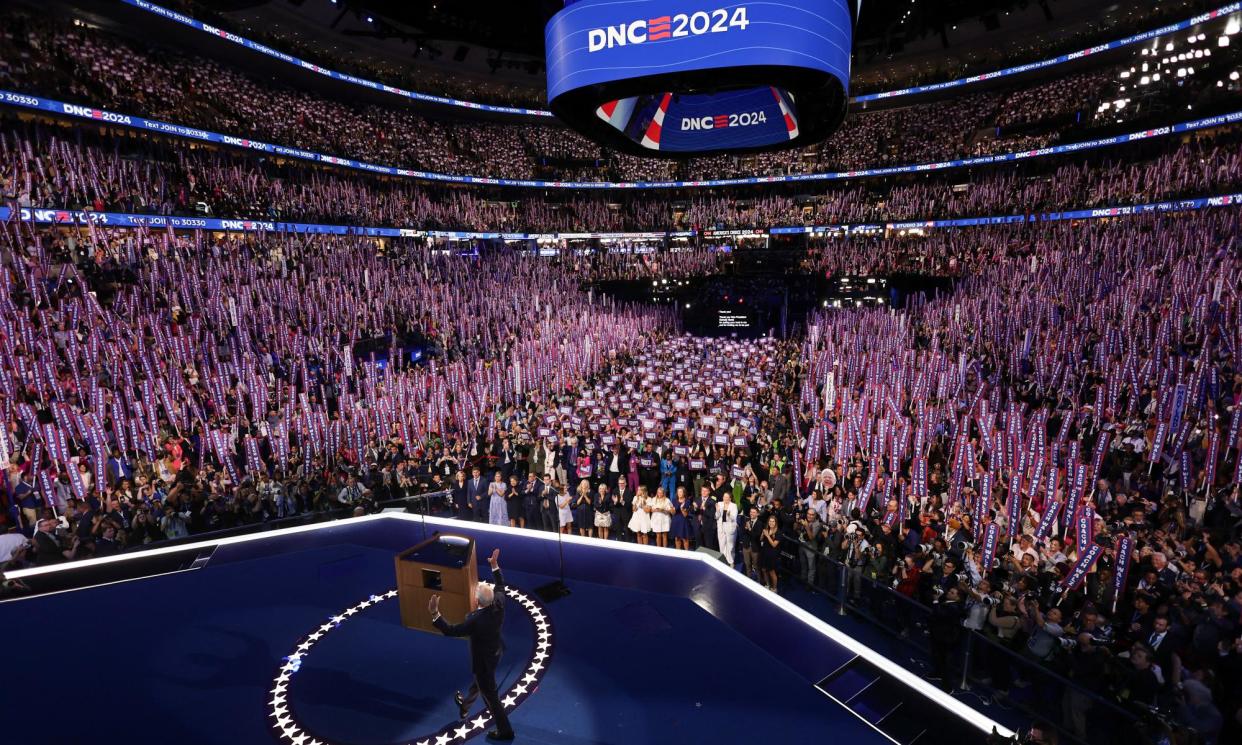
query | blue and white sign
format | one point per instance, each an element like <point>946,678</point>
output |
<point>693,76</point>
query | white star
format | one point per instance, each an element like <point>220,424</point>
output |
<point>277,699</point>
<point>282,720</point>
<point>305,646</point>
<point>518,689</point>
<point>530,677</point>
<point>543,644</point>
<point>509,701</point>
<point>300,739</point>
<point>536,666</point>
<point>541,656</point>
<point>351,611</point>
<point>337,619</point>
<point>281,712</point>
<point>443,739</point>
<point>461,731</point>
<point>315,636</point>
<point>479,723</point>
<point>281,680</point>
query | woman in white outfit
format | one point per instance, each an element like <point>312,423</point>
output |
<point>661,517</point>
<point>564,512</point>
<point>640,520</point>
<point>726,528</point>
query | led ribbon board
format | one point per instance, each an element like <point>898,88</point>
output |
<point>682,77</point>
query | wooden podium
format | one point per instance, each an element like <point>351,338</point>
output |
<point>442,565</point>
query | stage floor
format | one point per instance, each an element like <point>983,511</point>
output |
<point>190,658</point>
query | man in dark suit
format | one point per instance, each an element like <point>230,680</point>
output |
<point>47,548</point>
<point>482,627</point>
<point>476,494</point>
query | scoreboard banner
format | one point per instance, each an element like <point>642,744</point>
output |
<point>673,77</point>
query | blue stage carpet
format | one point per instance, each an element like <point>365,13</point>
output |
<point>189,658</point>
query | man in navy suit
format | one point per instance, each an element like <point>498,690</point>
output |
<point>482,627</point>
<point>476,494</point>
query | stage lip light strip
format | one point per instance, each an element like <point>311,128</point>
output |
<point>287,728</point>
<point>1154,33</point>
<point>255,46</point>
<point>129,221</point>
<point>101,116</point>
<point>897,93</point>
<point>961,709</point>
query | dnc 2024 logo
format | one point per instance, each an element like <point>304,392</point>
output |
<point>681,25</point>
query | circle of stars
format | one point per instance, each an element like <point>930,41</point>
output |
<point>287,729</point>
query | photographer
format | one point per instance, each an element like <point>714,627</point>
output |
<point>856,548</point>
<point>1046,632</point>
<point>809,531</point>
<point>1087,665</point>
<point>945,634</point>
<point>144,529</point>
<point>979,602</point>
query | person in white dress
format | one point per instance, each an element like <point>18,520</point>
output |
<point>726,528</point>
<point>661,517</point>
<point>640,520</point>
<point>564,512</point>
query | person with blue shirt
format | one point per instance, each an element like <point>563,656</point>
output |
<point>682,522</point>
<point>668,474</point>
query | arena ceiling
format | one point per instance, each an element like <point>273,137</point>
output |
<point>516,26</point>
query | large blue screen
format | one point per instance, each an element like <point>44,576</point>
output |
<point>700,75</point>
<point>599,41</point>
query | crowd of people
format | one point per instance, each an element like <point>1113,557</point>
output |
<point>126,353</point>
<point>47,165</point>
<point>90,67</point>
<point>1047,454</point>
